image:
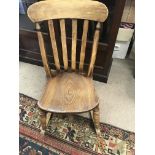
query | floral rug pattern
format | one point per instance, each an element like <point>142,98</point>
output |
<point>31,147</point>
<point>76,131</point>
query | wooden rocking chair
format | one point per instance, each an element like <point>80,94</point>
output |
<point>69,90</point>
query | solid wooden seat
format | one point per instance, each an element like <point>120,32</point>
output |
<point>69,92</point>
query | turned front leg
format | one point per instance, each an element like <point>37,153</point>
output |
<point>96,120</point>
<point>43,119</point>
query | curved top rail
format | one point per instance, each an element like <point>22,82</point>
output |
<point>58,9</point>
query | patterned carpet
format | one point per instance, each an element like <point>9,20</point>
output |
<point>68,134</point>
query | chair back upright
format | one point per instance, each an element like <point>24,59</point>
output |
<point>87,10</point>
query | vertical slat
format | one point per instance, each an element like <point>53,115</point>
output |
<point>83,44</point>
<point>54,45</point>
<point>94,49</point>
<point>43,52</point>
<point>63,41</point>
<point>74,38</point>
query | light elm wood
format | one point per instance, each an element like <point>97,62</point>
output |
<point>83,45</point>
<point>64,45</point>
<point>74,41</point>
<point>56,9</point>
<point>94,49</point>
<point>43,119</point>
<point>48,116</point>
<point>69,93</point>
<point>96,120</point>
<point>54,45</point>
<point>43,52</point>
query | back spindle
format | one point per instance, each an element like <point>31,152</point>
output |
<point>43,51</point>
<point>94,49</point>
<point>83,44</point>
<point>63,41</point>
<point>74,38</point>
<point>54,44</point>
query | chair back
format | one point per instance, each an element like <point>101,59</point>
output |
<point>62,10</point>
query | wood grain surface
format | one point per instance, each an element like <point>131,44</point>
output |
<point>64,44</point>
<point>58,9</point>
<point>74,41</point>
<point>83,44</point>
<point>69,92</point>
<point>94,49</point>
<point>54,44</point>
<point>43,52</point>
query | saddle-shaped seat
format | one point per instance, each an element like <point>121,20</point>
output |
<point>68,92</point>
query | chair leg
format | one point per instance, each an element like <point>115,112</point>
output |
<point>96,120</point>
<point>43,120</point>
<point>48,116</point>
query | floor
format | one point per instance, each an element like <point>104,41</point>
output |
<point>117,97</point>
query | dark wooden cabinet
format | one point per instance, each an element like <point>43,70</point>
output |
<point>29,49</point>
